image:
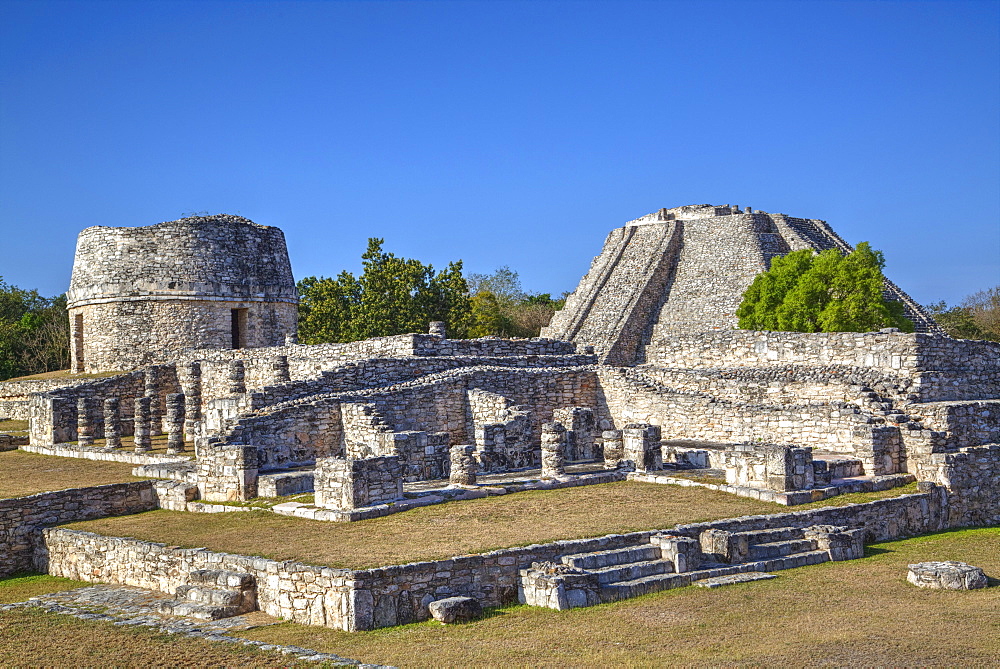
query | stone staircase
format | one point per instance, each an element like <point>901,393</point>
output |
<point>672,561</point>
<point>213,594</point>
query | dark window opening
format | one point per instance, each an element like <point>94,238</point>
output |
<point>239,328</point>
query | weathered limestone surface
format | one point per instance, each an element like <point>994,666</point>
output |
<point>22,518</point>
<point>685,270</point>
<point>946,576</point>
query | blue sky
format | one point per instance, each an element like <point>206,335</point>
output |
<point>502,132</point>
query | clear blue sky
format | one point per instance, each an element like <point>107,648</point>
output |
<point>502,132</point>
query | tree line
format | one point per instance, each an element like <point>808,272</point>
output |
<point>34,332</point>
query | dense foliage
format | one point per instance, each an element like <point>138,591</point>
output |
<point>501,308</point>
<point>392,296</point>
<point>34,332</point>
<point>976,317</point>
<point>824,292</point>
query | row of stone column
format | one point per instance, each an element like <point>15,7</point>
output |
<point>144,423</point>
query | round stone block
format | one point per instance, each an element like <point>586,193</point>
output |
<point>946,576</point>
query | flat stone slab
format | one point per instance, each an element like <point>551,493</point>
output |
<point>946,576</point>
<point>732,579</point>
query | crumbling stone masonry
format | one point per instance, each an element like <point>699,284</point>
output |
<point>140,295</point>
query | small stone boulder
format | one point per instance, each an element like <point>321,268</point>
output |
<point>946,576</point>
<point>455,609</point>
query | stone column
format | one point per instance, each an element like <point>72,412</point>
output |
<point>642,446</point>
<point>463,465</point>
<point>84,422</point>
<point>237,377</point>
<point>279,369</point>
<point>437,329</point>
<point>112,424</point>
<point>175,423</point>
<point>613,448</point>
<point>152,391</point>
<point>191,387</point>
<point>553,450</point>
<point>142,418</point>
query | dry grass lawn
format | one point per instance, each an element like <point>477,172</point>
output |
<point>23,473</point>
<point>445,530</point>
<point>856,613</point>
<point>8,426</point>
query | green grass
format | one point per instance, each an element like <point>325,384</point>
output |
<point>21,587</point>
<point>444,530</point>
<point>855,613</point>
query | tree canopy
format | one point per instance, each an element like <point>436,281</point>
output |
<point>501,307</point>
<point>826,292</point>
<point>34,332</point>
<point>392,296</point>
<point>976,317</point>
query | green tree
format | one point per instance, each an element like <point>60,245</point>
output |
<point>34,332</point>
<point>824,292</point>
<point>392,296</point>
<point>976,317</point>
<point>501,307</point>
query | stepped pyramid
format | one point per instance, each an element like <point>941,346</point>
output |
<point>685,270</point>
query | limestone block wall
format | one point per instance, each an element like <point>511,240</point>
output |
<point>22,518</point>
<point>972,478</point>
<point>15,396</point>
<point>53,414</point>
<point>965,423</point>
<point>769,466</point>
<point>291,435</point>
<point>929,367</point>
<point>290,590</point>
<point>351,483</point>
<point>125,335</point>
<point>139,295</point>
<point>835,427</point>
<point>781,384</point>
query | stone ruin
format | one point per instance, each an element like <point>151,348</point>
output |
<point>641,376</point>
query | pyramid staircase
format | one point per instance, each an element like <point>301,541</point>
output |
<point>671,561</point>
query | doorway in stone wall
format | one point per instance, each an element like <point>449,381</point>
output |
<point>239,328</point>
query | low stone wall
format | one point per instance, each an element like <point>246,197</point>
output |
<point>380,597</point>
<point>972,476</point>
<point>782,384</point>
<point>966,423</point>
<point>21,518</point>
<point>630,397</point>
<point>940,367</point>
<point>54,413</point>
<point>290,590</point>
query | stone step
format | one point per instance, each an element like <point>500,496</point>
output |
<point>209,596</point>
<point>618,556</point>
<point>633,570</point>
<point>775,549</point>
<point>657,582</point>
<point>177,607</point>
<point>222,578</point>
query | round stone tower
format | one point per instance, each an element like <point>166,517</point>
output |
<point>139,295</point>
